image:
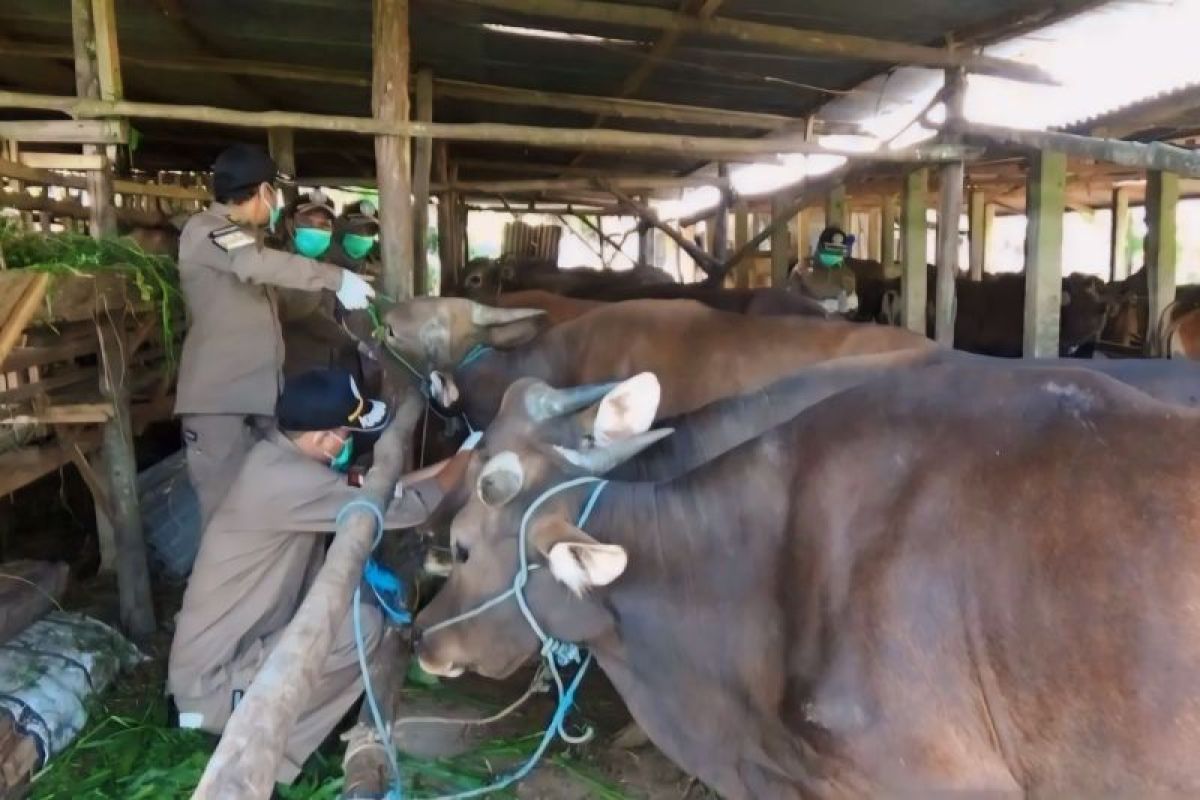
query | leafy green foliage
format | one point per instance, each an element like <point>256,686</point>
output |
<point>155,277</point>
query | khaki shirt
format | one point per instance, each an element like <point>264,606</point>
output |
<point>232,356</point>
<point>259,556</point>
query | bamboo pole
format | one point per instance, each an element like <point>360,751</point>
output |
<point>812,42</point>
<point>700,147</point>
<point>1152,155</point>
<point>389,104</point>
<point>247,758</point>
<point>422,167</point>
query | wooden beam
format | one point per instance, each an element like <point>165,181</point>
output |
<point>809,42</point>
<point>977,225</point>
<point>605,238</point>
<point>1152,155</point>
<point>76,162</point>
<point>281,143</point>
<point>108,54</point>
<point>887,247</point>
<point>527,135</point>
<point>19,468</point>
<point>87,28</point>
<point>389,103</point>
<point>422,166</point>
<point>611,106</point>
<point>66,131</point>
<point>1043,254</point>
<point>875,234</point>
<point>32,292</point>
<point>247,758</point>
<point>47,177</point>
<point>450,250</point>
<point>1118,255</point>
<point>1162,203</point>
<point>626,182</point>
<point>147,217</point>
<point>781,245</point>
<point>914,276</point>
<point>647,215</point>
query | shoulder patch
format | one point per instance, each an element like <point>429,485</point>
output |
<point>231,237</point>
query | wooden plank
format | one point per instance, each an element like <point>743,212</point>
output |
<point>978,233</point>
<point>781,245</point>
<point>1162,240</point>
<point>1043,254</point>
<point>75,162</point>
<point>741,235</point>
<point>887,247</point>
<point>710,147</point>
<point>914,278</point>
<point>44,386</point>
<point>1118,255</point>
<point>87,18</point>
<point>422,167</point>
<point>13,284</point>
<point>11,328</point>
<point>68,414</point>
<point>812,42</point>
<point>46,177</point>
<point>19,468</point>
<point>108,54</point>
<point>389,104</point>
<point>67,131</point>
<point>133,573</point>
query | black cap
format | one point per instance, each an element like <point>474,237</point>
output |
<point>326,399</point>
<point>834,238</point>
<point>240,167</point>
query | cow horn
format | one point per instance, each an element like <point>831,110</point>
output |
<point>543,402</point>
<point>486,316</point>
<point>603,459</point>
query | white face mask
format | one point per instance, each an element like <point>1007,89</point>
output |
<point>274,201</point>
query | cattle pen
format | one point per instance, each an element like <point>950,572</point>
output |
<point>576,112</point>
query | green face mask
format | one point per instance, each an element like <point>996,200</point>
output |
<point>312,242</point>
<point>341,462</point>
<point>356,245</point>
<point>830,260</point>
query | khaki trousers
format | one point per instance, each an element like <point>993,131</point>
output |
<point>338,686</point>
<point>216,445</point>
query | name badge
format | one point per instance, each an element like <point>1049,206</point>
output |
<point>230,238</point>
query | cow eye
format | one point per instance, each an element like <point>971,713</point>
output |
<point>474,280</point>
<point>460,554</point>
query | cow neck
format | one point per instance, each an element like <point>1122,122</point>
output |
<point>482,380</point>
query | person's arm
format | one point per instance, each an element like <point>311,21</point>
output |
<point>263,265</point>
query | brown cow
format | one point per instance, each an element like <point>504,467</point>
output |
<point>700,354</point>
<point>840,607</point>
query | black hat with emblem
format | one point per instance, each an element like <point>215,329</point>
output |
<point>327,399</point>
<point>240,167</point>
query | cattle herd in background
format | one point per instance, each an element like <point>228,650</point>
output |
<point>819,556</point>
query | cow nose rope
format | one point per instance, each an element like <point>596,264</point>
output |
<point>555,652</point>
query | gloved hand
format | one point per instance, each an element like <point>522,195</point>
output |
<point>354,293</point>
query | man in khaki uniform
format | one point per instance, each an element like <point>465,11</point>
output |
<point>230,368</point>
<point>263,548</point>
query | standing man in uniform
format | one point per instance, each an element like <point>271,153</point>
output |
<point>230,369</point>
<point>262,551</point>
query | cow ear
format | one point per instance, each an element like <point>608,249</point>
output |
<point>576,560</point>
<point>628,410</point>
<point>1066,299</point>
<point>501,479</point>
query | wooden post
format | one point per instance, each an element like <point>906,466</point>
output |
<point>1045,206</point>
<point>741,235</point>
<point>835,208</point>
<point>979,231</point>
<point>645,244</point>
<point>720,238</point>
<point>781,243</point>
<point>875,234</point>
<point>93,32</point>
<point>887,250</point>
<point>282,144</point>
<point>914,280</point>
<point>422,165</point>
<point>133,573</point>
<point>389,103</point>
<point>1162,201</point>
<point>449,245</point>
<point>950,200</point>
<point>1118,256</point>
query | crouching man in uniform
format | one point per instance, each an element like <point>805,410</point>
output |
<point>263,548</point>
